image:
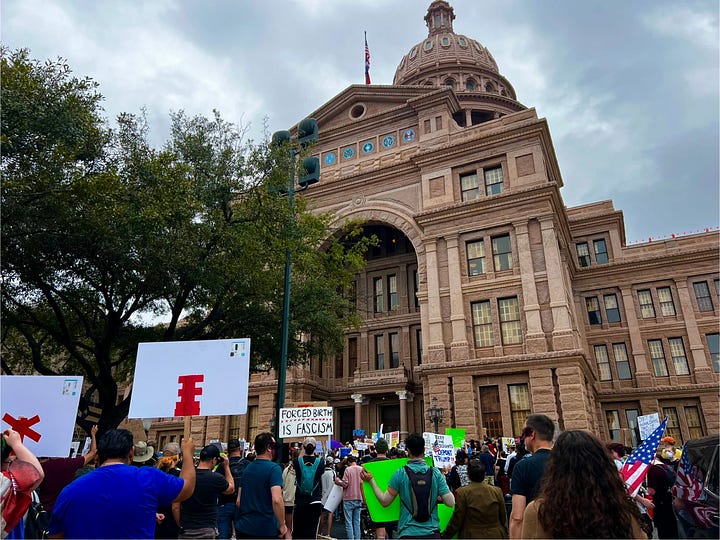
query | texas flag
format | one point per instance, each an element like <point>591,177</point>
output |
<point>367,61</point>
<point>637,465</point>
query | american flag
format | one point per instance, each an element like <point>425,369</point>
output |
<point>367,61</point>
<point>637,465</point>
<point>687,485</point>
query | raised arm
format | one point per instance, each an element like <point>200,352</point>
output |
<point>187,473</point>
<point>92,452</point>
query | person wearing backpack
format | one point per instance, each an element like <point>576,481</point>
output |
<point>419,487</point>
<point>308,492</point>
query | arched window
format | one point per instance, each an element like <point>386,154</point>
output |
<point>450,83</point>
<point>489,87</point>
<point>470,84</point>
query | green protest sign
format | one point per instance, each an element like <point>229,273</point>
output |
<point>382,471</point>
<point>458,436</point>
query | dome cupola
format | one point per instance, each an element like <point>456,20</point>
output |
<point>445,58</point>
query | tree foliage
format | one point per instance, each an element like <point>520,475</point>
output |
<point>103,236</point>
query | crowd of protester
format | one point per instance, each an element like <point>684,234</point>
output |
<point>567,486</point>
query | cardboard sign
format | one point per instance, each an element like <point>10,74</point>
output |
<point>441,448</point>
<point>458,436</point>
<point>383,471</point>
<point>42,409</point>
<point>306,422</point>
<point>191,378</point>
<point>392,438</point>
<point>647,424</point>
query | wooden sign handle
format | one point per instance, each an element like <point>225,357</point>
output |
<point>186,430</point>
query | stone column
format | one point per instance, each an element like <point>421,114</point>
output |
<point>403,395</point>
<point>436,346</point>
<point>358,399</point>
<point>573,398</point>
<point>642,373</point>
<point>703,371</point>
<point>562,335</point>
<point>535,338</point>
<point>459,345</point>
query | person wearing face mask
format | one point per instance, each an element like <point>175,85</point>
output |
<point>669,452</point>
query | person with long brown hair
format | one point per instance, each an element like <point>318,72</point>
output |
<point>581,494</point>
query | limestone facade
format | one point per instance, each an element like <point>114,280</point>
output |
<point>487,292</point>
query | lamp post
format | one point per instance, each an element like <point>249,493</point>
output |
<point>435,413</point>
<point>307,133</point>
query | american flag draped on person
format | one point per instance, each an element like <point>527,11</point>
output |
<point>637,465</point>
<point>367,61</point>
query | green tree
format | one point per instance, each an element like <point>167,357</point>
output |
<point>103,235</point>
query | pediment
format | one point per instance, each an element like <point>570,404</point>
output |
<point>359,104</point>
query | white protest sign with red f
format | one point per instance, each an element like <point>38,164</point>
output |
<point>42,409</point>
<point>191,378</point>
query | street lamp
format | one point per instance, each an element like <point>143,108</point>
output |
<point>435,414</point>
<point>307,134</point>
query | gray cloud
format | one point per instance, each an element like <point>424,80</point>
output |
<point>630,89</point>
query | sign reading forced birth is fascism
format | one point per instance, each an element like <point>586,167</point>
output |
<point>191,378</point>
<point>306,422</point>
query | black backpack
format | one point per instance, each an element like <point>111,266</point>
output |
<point>37,521</point>
<point>236,470</point>
<point>420,494</point>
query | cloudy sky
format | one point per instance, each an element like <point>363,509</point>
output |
<point>629,88</point>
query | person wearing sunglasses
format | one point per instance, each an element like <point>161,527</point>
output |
<point>261,509</point>
<point>537,437</point>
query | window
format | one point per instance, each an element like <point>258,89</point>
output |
<point>667,307</point>
<point>470,84</point>
<point>482,324</point>
<point>601,255</point>
<point>380,352</point>
<point>416,281</point>
<point>502,253</point>
<point>702,294</point>
<point>339,364</point>
<point>622,364</point>
<point>716,284</point>
<point>583,254</point>
<point>438,119</point>
<point>476,257</point>
<point>352,355</point>
<point>611,308</point>
<point>469,187</point>
<point>418,344</point>
<point>510,327</point>
<point>426,126</point>
<point>692,417</point>
<point>673,426</point>
<point>234,428</point>
<point>613,422</point>
<point>647,310</point>
<point>394,350</point>
<point>603,363</point>
<point>658,358</point>
<point>493,181</point>
<point>593,309</point>
<point>519,406</point>
<point>713,341</point>
<point>252,422</point>
<point>392,292</point>
<point>679,360</point>
<point>379,298</point>
<point>632,416</point>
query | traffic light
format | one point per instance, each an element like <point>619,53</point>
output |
<point>307,132</point>
<point>310,173</point>
<point>281,137</point>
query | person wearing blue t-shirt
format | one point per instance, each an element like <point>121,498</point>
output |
<point>117,500</point>
<point>400,484</point>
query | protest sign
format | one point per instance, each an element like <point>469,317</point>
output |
<point>458,436</point>
<point>440,447</point>
<point>383,471</point>
<point>507,442</point>
<point>191,378</point>
<point>647,424</point>
<point>392,438</point>
<point>42,409</point>
<point>306,422</point>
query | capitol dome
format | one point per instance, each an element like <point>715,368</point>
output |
<point>445,58</point>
